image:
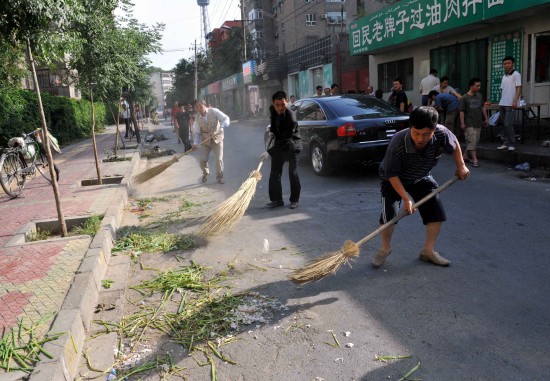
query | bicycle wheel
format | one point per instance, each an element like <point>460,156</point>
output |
<point>12,179</point>
<point>43,167</point>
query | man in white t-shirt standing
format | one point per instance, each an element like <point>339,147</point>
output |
<point>427,84</point>
<point>511,92</point>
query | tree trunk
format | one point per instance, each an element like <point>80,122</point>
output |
<point>133,119</point>
<point>116,119</point>
<point>99,180</point>
<point>45,139</point>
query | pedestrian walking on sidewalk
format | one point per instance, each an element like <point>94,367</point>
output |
<point>405,174</point>
<point>125,115</point>
<point>472,116</point>
<point>285,145</point>
<point>208,131</point>
<point>509,98</point>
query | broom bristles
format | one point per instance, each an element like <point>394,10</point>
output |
<point>158,169</point>
<point>154,171</point>
<point>326,265</point>
<point>228,213</point>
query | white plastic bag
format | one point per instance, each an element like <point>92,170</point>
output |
<point>493,120</point>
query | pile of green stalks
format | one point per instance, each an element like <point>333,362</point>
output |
<point>152,242</point>
<point>196,312</point>
<point>20,350</point>
<point>185,278</point>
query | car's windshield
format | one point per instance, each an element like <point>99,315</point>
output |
<point>362,107</point>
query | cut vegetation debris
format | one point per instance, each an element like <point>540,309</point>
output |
<point>136,239</point>
<point>193,310</point>
<point>410,372</point>
<point>186,278</point>
<point>386,358</point>
<point>20,350</point>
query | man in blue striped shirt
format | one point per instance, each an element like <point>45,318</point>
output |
<point>405,173</point>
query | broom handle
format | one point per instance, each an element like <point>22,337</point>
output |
<point>191,150</point>
<point>404,213</point>
<point>260,165</point>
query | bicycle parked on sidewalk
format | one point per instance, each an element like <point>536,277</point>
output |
<point>20,161</point>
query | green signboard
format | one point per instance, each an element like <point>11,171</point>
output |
<point>502,45</point>
<point>408,20</point>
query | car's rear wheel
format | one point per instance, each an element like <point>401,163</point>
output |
<point>319,160</point>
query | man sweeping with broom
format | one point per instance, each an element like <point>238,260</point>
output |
<point>285,136</point>
<point>405,172</point>
<point>208,132</point>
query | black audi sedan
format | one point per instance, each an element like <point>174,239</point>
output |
<point>343,129</point>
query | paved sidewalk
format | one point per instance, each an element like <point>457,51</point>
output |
<point>36,277</point>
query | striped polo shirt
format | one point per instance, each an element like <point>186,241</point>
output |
<point>402,159</point>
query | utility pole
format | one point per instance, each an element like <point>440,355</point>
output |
<point>244,58</point>
<point>196,71</point>
<point>244,31</point>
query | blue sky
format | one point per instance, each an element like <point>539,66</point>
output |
<point>182,19</point>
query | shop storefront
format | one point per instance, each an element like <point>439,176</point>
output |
<point>461,40</point>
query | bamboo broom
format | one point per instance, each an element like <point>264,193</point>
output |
<point>318,269</point>
<point>158,169</point>
<point>228,213</point>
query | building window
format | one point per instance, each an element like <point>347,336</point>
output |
<point>335,17</point>
<point>388,71</point>
<point>310,19</point>
<point>255,14</point>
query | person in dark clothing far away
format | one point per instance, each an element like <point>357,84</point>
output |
<point>284,145</point>
<point>183,121</point>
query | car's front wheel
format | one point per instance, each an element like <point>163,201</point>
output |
<point>319,160</point>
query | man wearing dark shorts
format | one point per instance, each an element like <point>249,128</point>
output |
<point>405,173</point>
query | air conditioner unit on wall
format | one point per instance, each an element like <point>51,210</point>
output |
<point>323,16</point>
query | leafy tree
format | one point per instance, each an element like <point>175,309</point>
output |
<point>226,59</point>
<point>112,54</point>
<point>44,27</point>
<point>12,64</point>
<point>184,83</point>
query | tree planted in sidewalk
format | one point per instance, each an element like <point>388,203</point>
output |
<point>111,53</point>
<point>44,28</point>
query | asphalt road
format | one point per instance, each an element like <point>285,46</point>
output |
<point>486,317</point>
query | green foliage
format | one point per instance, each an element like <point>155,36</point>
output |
<point>38,235</point>
<point>90,227</point>
<point>46,24</point>
<point>12,64</point>
<point>68,119</point>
